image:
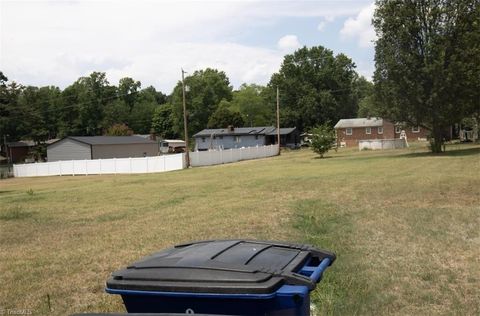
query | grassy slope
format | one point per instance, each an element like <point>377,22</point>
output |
<point>405,227</point>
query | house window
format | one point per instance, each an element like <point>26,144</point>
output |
<point>398,129</point>
<point>238,139</point>
<point>256,136</point>
<point>380,130</point>
<point>348,131</point>
<point>368,130</point>
<point>203,139</point>
<point>415,129</point>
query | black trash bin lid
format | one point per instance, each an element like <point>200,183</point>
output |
<point>221,266</point>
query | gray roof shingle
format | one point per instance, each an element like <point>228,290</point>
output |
<point>283,131</point>
<point>260,130</point>
<point>111,140</point>
<point>359,122</point>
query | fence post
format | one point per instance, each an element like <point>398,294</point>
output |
<point>100,172</point>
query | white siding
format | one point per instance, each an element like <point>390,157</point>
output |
<point>228,142</point>
<point>68,149</point>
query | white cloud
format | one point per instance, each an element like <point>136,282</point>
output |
<point>321,25</point>
<point>288,43</point>
<point>328,19</point>
<point>360,27</point>
<point>55,42</point>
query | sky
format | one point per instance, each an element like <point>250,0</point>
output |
<point>56,42</point>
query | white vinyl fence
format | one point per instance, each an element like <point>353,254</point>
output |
<point>141,165</point>
<point>382,144</point>
<point>216,157</point>
<point>100,166</point>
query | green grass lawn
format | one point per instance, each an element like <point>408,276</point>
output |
<point>405,225</point>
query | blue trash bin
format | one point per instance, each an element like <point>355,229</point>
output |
<point>226,277</point>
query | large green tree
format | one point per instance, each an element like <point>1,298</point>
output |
<point>224,117</point>
<point>315,87</point>
<point>39,106</point>
<point>151,94</point>
<point>427,62</point>
<point>141,116</point>
<point>83,105</point>
<point>116,112</point>
<point>127,90</point>
<point>162,121</point>
<point>249,101</point>
<point>12,123</point>
<point>366,101</point>
<point>206,88</point>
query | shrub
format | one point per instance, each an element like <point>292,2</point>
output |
<point>323,138</point>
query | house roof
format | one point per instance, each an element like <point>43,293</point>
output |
<point>143,135</point>
<point>359,122</point>
<point>283,131</point>
<point>259,130</point>
<point>110,140</point>
<point>29,143</point>
<point>24,143</point>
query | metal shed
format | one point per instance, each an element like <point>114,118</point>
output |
<point>101,147</point>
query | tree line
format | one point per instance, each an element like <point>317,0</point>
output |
<point>427,73</point>
<point>315,86</point>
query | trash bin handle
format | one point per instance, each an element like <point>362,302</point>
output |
<point>317,273</point>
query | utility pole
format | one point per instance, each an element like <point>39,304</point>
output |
<point>278,121</point>
<point>187,149</point>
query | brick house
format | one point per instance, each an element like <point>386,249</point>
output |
<point>350,131</point>
<point>413,133</point>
